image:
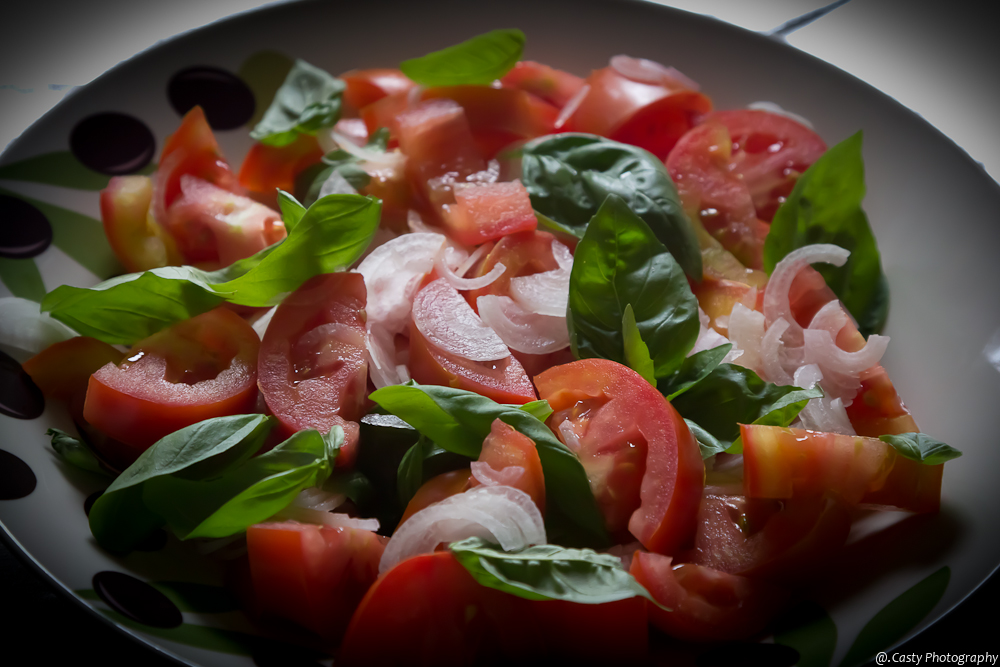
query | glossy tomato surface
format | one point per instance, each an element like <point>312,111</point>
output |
<point>489,211</point>
<point>643,464</point>
<point>139,242</point>
<point>513,461</point>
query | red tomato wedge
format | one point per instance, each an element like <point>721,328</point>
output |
<point>552,85</point>
<point>63,369</point>
<point>366,86</point>
<point>266,169</point>
<point>513,460</point>
<point>139,242</point>
<point>435,489</point>
<point>312,575</point>
<point>642,113</point>
<point>777,540</point>
<point>196,369</point>
<point>705,604</point>
<point>313,363</point>
<point>489,211</point>
<point>644,466</point>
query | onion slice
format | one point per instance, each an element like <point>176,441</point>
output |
<point>546,293</point>
<point>456,278</point>
<point>776,302</point>
<point>448,322</point>
<point>498,513</point>
<point>393,272</point>
<point>24,328</point>
<point>520,330</point>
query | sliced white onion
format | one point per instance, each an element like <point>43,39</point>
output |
<point>822,350</point>
<point>336,184</point>
<point>322,518</point>
<point>650,71</point>
<point>318,499</point>
<point>456,279</point>
<point>708,338</point>
<point>487,475</point>
<point>393,272</point>
<point>26,331</point>
<point>572,104</point>
<point>382,366</point>
<point>830,317</point>
<point>498,513</point>
<point>547,292</point>
<point>771,349</point>
<point>521,330</point>
<point>746,331</point>
<point>562,255</point>
<point>382,158</point>
<point>569,435</point>
<point>774,108</point>
<point>776,302</point>
<point>448,322</point>
<point>262,322</point>
<point>823,413</point>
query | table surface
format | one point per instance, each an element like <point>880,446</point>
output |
<point>937,58</point>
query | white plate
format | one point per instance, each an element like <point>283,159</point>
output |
<point>929,205</point>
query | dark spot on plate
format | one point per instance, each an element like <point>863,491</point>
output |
<point>19,397</point>
<point>749,655</point>
<point>227,101</point>
<point>273,654</point>
<point>155,541</point>
<point>90,500</point>
<point>16,478</point>
<point>136,599</point>
<point>24,230</point>
<point>112,143</point>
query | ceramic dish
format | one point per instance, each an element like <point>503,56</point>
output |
<point>928,203</point>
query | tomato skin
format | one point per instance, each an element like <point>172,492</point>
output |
<point>644,466</point>
<point>552,85</point>
<point>367,86</point>
<point>910,486</point>
<point>489,211</point>
<point>313,365</point>
<point>435,489</point>
<point>196,369</point>
<point>312,575</point>
<point>63,370</point>
<point>139,242</point>
<point>266,169</point>
<point>503,381</point>
<point>706,604</point>
<point>506,447</point>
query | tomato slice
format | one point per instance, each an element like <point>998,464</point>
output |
<point>139,242</point>
<point>717,296</point>
<point>550,84</point>
<point>313,363</point>
<point>312,575</point>
<point>513,458</point>
<point>266,169</point>
<point>644,466</point>
<point>489,211</point>
<point>63,370</point>
<point>366,86</point>
<point>522,254</point>
<point>503,380</point>
<point>437,488</point>
<point>650,115</point>
<point>196,369</point>
<point>705,604</point>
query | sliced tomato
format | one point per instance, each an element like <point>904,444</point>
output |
<point>313,362</point>
<point>794,463</point>
<point>312,575</point>
<point>215,227</point>
<point>717,296</point>
<point>644,466</point>
<point>196,369</point>
<point>651,115</point>
<point>489,211</point>
<point>550,84</point>
<point>435,489</point>
<point>367,86</point>
<point>503,381</point>
<point>705,604</point>
<point>522,254</point>
<point>139,242</point>
<point>910,486</point>
<point>63,370</point>
<point>514,461</point>
<point>777,540</point>
<point>267,169</point>
<point>384,112</point>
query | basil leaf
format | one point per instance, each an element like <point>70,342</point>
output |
<point>307,101</point>
<point>291,210</point>
<point>618,263</point>
<point>309,184</point>
<point>329,237</point>
<point>708,443</point>
<point>548,572</point>
<point>636,353</point>
<point>459,421</point>
<point>569,176</point>
<point>119,519</point>
<point>76,453</point>
<point>246,494</point>
<point>545,223</point>
<point>540,410</point>
<point>732,395</point>
<point>825,207</point>
<point>421,462</point>
<point>354,484</point>
<point>692,370</point>
<point>480,60</point>
<point>921,448</point>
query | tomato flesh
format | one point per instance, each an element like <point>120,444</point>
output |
<point>196,369</point>
<point>367,86</point>
<point>139,242</point>
<point>267,169</point>
<point>436,489</point>
<point>644,466</point>
<point>548,83</point>
<point>489,211</point>
<point>514,457</point>
<point>312,575</point>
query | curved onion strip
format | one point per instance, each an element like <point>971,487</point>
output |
<point>562,255</point>
<point>486,475</point>
<point>320,517</point>
<point>317,499</point>
<point>569,436</point>
<point>571,106</point>
<point>448,322</point>
<point>456,280</point>
<point>393,272</point>
<point>821,414</point>
<point>820,349</point>
<point>387,158</point>
<point>830,317</point>
<point>770,354</point>
<point>746,331</point>
<point>25,328</point>
<point>382,365</point>
<point>476,255</point>
<point>776,303</point>
<point>520,330</point>
<point>500,513</point>
<point>650,71</point>
<point>546,293</point>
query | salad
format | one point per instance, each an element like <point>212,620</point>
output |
<point>485,357</point>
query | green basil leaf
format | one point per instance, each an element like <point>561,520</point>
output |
<point>569,176</point>
<point>354,484</point>
<point>825,207</point>
<point>329,237</point>
<point>291,210</point>
<point>921,447</point>
<point>636,353</point>
<point>246,494</point>
<point>708,443</point>
<point>480,60</point>
<point>692,370</point>
<point>119,519</point>
<point>732,395</point>
<point>421,462</point>
<point>548,572</point>
<point>619,263</point>
<point>540,410</point>
<point>309,184</point>
<point>76,453</point>
<point>459,421</point>
<point>307,101</point>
